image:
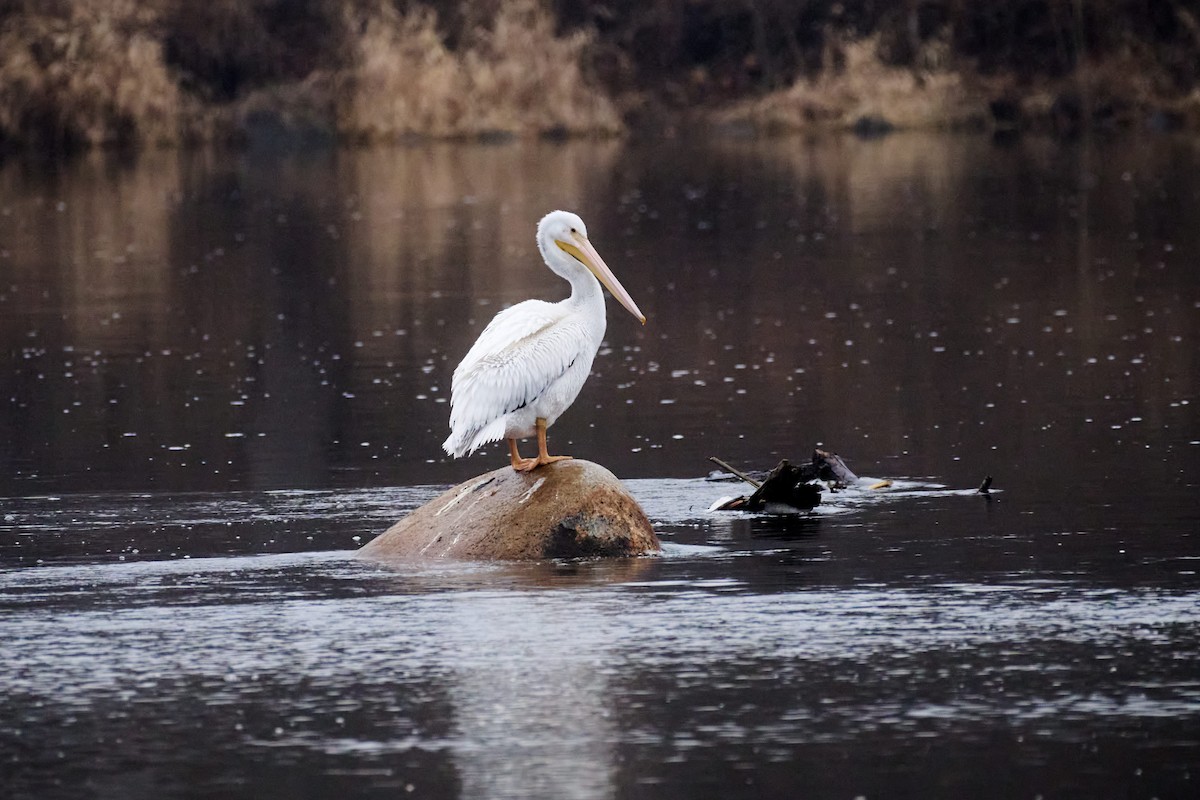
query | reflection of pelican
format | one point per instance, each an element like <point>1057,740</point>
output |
<point>530,362</point>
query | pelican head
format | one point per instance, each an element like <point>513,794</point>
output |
<point>563,242</point>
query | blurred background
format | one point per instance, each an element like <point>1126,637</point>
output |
<point>79,72</point>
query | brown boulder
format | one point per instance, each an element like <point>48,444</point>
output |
<point>569,509</point>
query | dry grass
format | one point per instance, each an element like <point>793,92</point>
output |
<point>856,86</point>
<point>89,74</point>
<point>93,72</point>
<point>1117,91</point>
<point>146,72</point>
<point>516,77</point>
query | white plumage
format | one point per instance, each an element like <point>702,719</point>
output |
<point>530,362</point>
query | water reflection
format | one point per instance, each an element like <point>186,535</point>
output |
<point>535,721</point>
<point>192,320</point>
<point>274,676</point>
<point>196,320</point>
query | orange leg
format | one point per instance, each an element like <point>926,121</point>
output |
<point>544,457</point>
<point>518,463</point>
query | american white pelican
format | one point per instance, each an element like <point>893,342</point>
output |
<point>530,362</point>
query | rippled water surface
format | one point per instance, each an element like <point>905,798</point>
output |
<point>222,374</point>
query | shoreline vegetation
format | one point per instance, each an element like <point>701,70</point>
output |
<point>88,73</point>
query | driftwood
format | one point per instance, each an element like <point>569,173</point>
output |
<point>790,486</point>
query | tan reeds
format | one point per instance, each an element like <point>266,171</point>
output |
<point>93,72</point>
<point>98,72</point>
<point>86,72</point>
<point>864,88</point>
<point>516,77</point>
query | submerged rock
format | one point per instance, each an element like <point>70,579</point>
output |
<point>569,509</point>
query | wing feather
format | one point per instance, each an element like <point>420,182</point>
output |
<point>521,352</point>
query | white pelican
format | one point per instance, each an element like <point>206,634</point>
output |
<point>530,362</point>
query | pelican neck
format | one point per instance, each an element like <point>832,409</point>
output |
<point>585,288</point>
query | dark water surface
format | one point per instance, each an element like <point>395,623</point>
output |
<point>219,374</point>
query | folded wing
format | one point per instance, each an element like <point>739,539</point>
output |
<point>520,354</point>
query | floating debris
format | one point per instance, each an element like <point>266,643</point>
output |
<point>789,488</point>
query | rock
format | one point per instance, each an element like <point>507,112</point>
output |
<point>569,509</point>
<point>1006,114</point>
<point>872,126</point>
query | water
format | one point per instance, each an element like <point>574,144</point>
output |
<point>221,374</point>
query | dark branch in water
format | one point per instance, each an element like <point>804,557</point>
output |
<point>733,471</point>
<point>790,486</point>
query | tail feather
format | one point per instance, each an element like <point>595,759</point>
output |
<point>463,443</point>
